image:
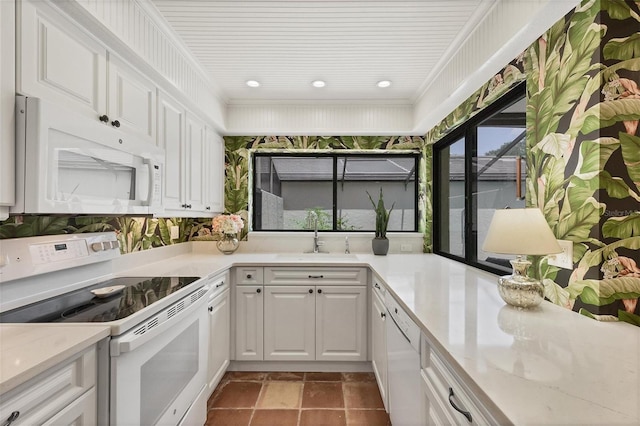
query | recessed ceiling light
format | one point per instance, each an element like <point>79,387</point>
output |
<point>253,83</point>
<point>318,83</point>
<point>383,83</point>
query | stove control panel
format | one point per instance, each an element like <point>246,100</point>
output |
<point>24,257</point>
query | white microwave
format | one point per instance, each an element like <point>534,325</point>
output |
<point>68,164</point>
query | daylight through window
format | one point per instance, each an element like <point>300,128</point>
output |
<point>288,187</point>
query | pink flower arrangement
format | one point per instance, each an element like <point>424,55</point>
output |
<point>227,224</point>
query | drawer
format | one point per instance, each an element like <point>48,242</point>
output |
<point>315,276</point>
<point>249,275</point>
<point>47,394</point>
<point>439,382</point>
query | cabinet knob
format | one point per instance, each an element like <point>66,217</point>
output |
<point>383,315</point>
<point>319,290</point>
<point>104,118</point>
<point>258,291</point>
<point>249,276</point>
<point>208,208</point>
<point>12,418</point>
<point>458,409</point>
<point>310,290</point>
<point>188,206</point>
<point>210,308</point>
<point>115,123</point>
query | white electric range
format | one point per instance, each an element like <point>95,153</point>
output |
<point>154,367</point>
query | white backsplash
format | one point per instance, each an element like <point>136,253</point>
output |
<point>300,242</point>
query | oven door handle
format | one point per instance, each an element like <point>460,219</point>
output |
<point>142,333</point>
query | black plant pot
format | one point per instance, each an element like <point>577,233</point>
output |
<point>380,246</point>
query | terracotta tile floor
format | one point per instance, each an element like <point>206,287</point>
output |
<point>296,399</point>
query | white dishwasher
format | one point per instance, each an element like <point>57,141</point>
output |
<point>403,363</point>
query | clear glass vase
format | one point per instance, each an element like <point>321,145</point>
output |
<point>228,243</point>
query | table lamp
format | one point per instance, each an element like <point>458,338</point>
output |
<point>521,232</point>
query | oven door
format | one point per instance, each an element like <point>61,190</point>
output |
<point>158,371</point>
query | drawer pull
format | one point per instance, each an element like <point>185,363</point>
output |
<point>383,315</point>
<point>258,291</point>
<point>220,284</point>
<point>210,308</point>
<point>249,276</point>
<point>310,291</point>
<point>316,276</point>
<point>376,285</point>
<point>453,404</point>
<point>12,418</point>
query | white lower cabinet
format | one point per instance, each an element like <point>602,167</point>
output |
<point>379,340</point>
<point>301,314</point>
<point>341,323</point>
<point>249,310</point>
<point>289,323</point>
<point>219,337</point>
<point>62,395</point>
<point>447,400</point>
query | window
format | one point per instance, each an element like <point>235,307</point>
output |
<point>288,187</point>
<point>478,168</point>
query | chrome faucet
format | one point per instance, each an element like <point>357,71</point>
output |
<point>312,220</point>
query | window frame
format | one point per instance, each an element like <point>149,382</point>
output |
<point>468,131</point>
<point>334,155</point>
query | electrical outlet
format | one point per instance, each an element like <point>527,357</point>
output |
<point>564,259</point>
<point>405,248</point>
<point>175,232</point>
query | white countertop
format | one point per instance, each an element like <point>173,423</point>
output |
<point>544,366</point>
<point>29,349</point>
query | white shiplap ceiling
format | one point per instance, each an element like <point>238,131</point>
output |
<point>286,44</point>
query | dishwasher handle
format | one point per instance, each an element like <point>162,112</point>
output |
<point>398,327</point>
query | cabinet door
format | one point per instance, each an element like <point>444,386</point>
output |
<point>341,323</point>
<point>58,61</point>
<point>219,327</point>
<point>132,101</point>
<point>249,323</point>
<point>214,193</point>
<point>81,412</point>
<point>7,101</point>
<point>379,344</point>
<point>195,166</point>
<point>289,323</point>
<point>171,121</point>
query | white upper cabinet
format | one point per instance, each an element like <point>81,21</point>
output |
<point>7,101</point>
<point>214,169</point>
<point>132,100</point>
<point>195,167</point>
<point>171,134</point>
<point>58,61</point>
<point>61,63</point>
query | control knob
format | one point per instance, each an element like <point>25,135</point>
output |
<point>97,247</point>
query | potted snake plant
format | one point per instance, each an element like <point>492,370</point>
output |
<point>380,243</point>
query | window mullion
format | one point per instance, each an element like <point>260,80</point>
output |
<point>335,193</point>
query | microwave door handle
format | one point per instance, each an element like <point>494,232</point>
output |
<point>150,166</point>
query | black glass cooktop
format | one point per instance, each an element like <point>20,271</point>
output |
<point>83,306</point>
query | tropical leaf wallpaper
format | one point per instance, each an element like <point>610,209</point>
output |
<point>133,233</point>
<point>238,150</point>
<point>583,109</point>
